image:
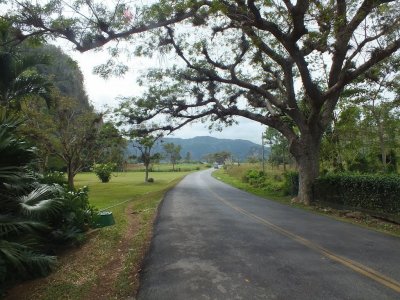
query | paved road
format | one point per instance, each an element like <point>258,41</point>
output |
<point>212,241</point>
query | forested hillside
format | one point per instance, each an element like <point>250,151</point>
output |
<point>200,146</point>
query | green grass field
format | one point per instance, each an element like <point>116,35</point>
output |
<point>167,167</point>
<point>123,186</point>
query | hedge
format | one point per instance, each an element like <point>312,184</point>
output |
<point>377,193</point>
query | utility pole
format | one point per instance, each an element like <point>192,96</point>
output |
<point>263,156</point>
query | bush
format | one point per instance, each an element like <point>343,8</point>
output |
<point>103,171</point>
<point>54,177</point>
<point>291,185</point>
<point>150,180</point>
<point>255,178</point>
<point>76,217</point>
<point>378,193</point>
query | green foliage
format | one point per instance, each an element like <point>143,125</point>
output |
<point>279,147</point>
<point>111,145</point>
<point>19,78</point>
<point>218,157</point>
<point>288,184</point>
<point>76,217</point>
<point>363,164</point>
<point>104,171</point>
<point>291,186</point>
<point>258,179</point>
<point>378,193</point>
<point>53,177</point>
<point>173,153</point>
<point>25,208</point>
<point>69,131</point>
<point>254,178</point>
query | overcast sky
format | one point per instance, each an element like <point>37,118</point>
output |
<point>103,92</point>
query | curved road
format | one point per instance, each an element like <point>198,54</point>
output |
<point>212,241</point>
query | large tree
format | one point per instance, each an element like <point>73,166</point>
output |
<point>69,132</point>
<point>279,63</point>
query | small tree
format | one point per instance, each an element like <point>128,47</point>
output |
<point>173,153</point>
<point>188,157</point>
<point>145,145</point>
<point>110,145</point>
<point>279,147</point>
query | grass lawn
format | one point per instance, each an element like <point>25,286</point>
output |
<point>106,266</point>
<point>233,176</point>
<point>167,167</point>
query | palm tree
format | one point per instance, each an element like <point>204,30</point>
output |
<point>24,206</point>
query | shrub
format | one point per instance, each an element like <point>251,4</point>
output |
<point>255,178</point>
<point>291,183</point>
<point>379,193</point>
<point>103,171</point>
<point>150,180</point>
<point>76,217</point>
<point>54,177</point>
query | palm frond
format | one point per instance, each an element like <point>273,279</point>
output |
<point>41,203</point>
<point>24,260</point>
<point>15,154</point>
<point>12,226</point>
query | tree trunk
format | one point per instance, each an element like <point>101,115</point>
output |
<point>146,177</point>
<point>306,153</point>
<point>381,134</point>
<point>70,178</point>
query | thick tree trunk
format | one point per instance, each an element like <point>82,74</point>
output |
<point>306,154</point>
<point>308,172</point>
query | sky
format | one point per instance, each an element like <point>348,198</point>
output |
<point>104,92</point>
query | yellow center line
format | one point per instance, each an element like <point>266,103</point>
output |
<point>355,266</point>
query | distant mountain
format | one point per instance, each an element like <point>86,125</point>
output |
<point>202,145</point>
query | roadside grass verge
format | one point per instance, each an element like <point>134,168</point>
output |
<point>106,266</point>
<point>234,175</point>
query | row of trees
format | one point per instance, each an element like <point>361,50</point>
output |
<point>218,157</point>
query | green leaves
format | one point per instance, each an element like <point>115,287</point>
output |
<point>378,193</point>
<point>104,171</point>
<point>41,203</point>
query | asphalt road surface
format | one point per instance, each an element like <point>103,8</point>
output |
<point>212,241</point>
